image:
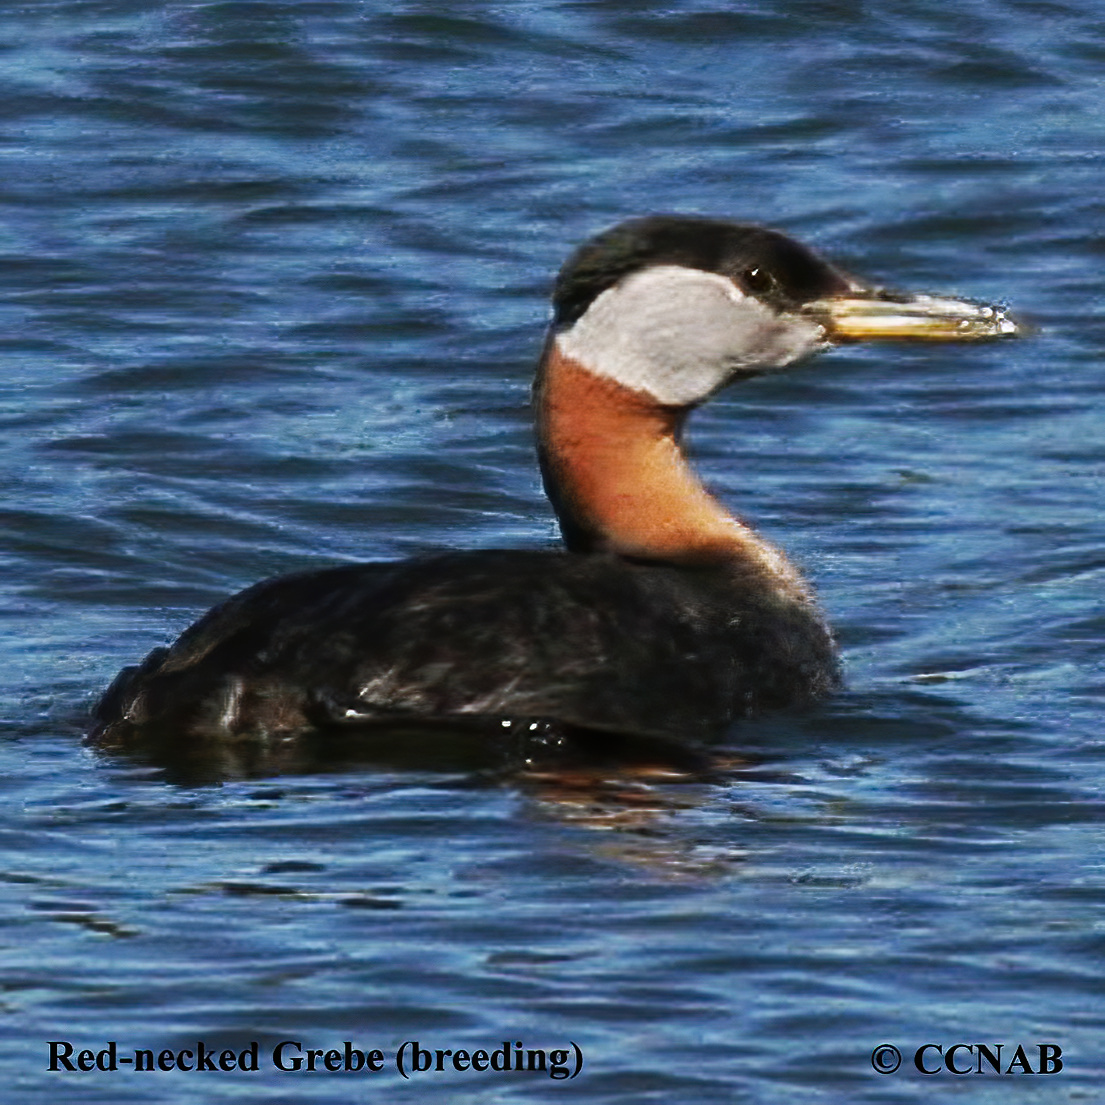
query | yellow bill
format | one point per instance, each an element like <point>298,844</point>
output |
<point>882,316</point>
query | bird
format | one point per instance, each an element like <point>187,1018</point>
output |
<point>662,615</point>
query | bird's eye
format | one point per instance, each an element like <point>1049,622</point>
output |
<point>758,281</point>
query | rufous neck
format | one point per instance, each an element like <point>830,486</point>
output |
<point>619,481</point>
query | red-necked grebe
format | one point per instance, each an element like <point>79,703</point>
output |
<point>664,615</point>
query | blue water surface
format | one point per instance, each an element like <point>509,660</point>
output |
<point>273,279</point>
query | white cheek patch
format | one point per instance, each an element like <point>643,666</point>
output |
<point>679,334</point>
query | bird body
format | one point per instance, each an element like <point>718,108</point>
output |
<point>587,641</point>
